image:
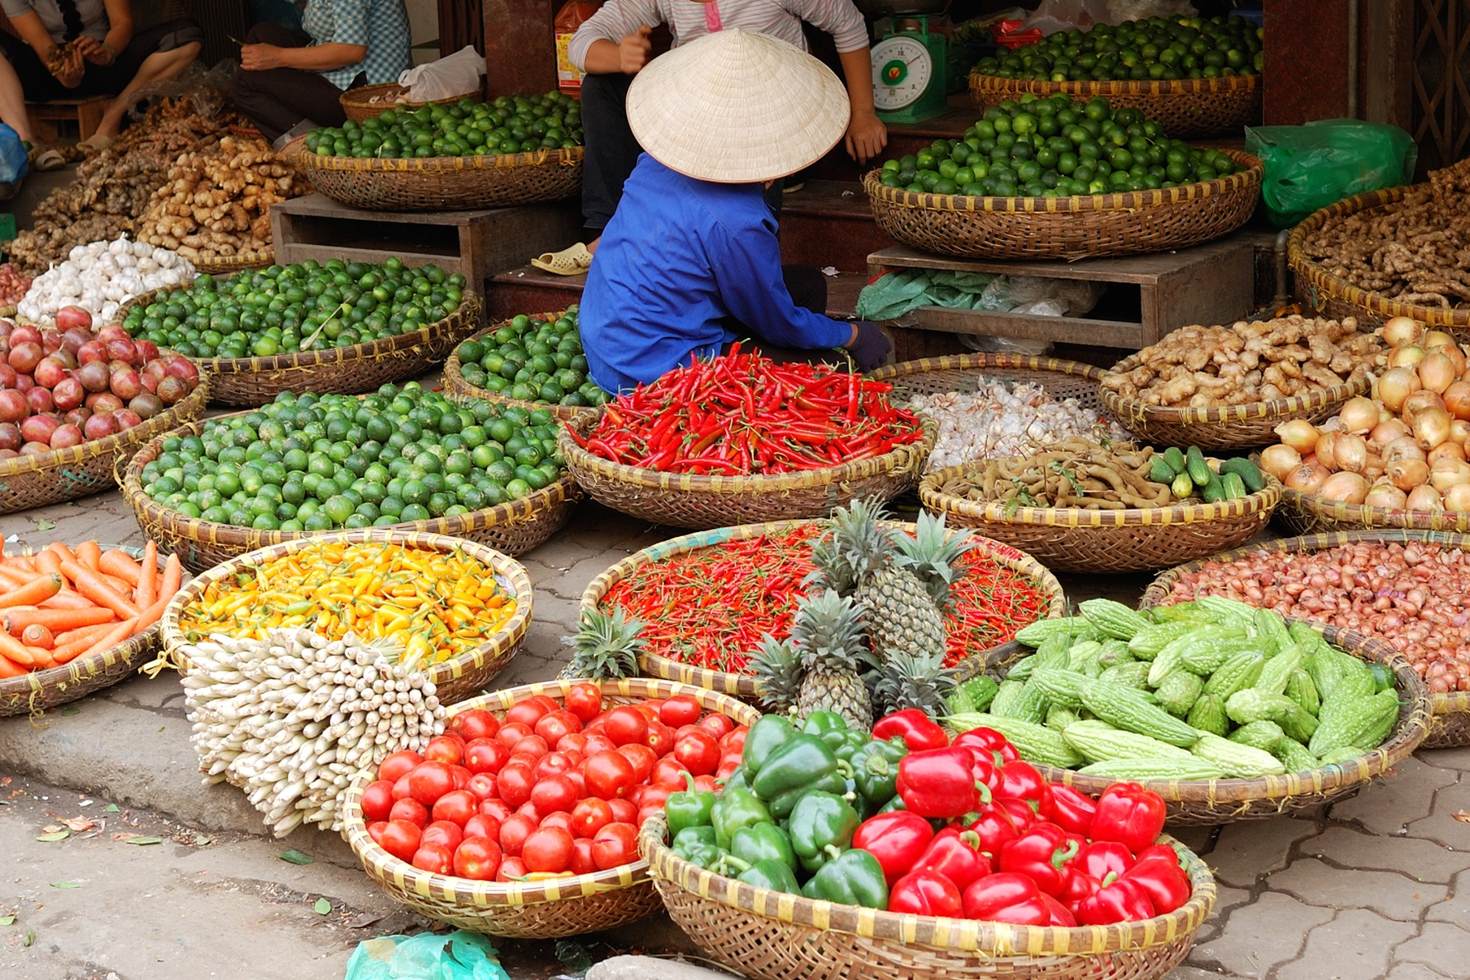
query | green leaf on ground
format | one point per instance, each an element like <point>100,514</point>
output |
<point>112,808</point>
<point>71,709</point>
<point>322,907</point>
<point>43,524</point>
<point>28,938</point>
<point>66,884</point>
<point>294,856</point>
<point>141,840</point>
<point>53,836</point>
<point>7,920</point>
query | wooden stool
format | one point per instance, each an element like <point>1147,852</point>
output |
<point>52,118</point>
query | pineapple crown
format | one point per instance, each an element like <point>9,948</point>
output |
<point>778,674</point>
<point>826,634</point>
<point>605,645</point>
<point>907,680</point>
<point>854,547</point>
<point>933,554</point>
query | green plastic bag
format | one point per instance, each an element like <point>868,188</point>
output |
<point>455,956</point>
<point>1310,167</point>
<point>892,295</point>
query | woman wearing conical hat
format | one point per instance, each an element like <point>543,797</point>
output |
<point>690,261</point>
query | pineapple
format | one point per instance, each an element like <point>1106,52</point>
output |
<point>777,671</point>
<point>606,645</point>
<point>933,554</point>
<point>829,647</point>
<point>906,681</point>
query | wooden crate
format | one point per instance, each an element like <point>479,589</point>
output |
<point>67,118</point>
<point>1146,296</point>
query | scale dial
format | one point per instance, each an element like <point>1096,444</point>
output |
<point>902,69</point>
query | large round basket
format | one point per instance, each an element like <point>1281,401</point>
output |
<point>1306,513</point>
<point>455,386</point>
<point>367,101</point>
<point>1207,802</point>
<point>1075,539</point>
<point>514,527</point>
<point>235,263</point>
<point>462,677</point>
<point>745,685</point>
<point>1223,428</point>
<point>567,906</point>
<point>1081,227</point>
<point>700,502</point>
<point>252,381</point>
<point>772,935</point>
<point>1186,108</point>
<point>1449,724</point>
<point>963,372</point>
<point>41,690</point>
<point>443,183</point>
<point>66,474</point>
<point>1332,295</point>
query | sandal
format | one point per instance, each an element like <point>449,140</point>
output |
<point>572,261</point>
<point>47,158</point>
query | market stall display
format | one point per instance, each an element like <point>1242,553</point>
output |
<point>1228,387</point>
<point>100,277</point>
<point>406,458</point>
<point>529,361</point>
<point>1227,712</point>
<point>607,884</point>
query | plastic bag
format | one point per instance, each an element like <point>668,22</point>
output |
<point>459,74</point>
<point>1046,297</point>
<point>14,161</point>
<point>1064,15</point>
<point>456,956</point>
<point>1310,167</point>
<point>1125,10</point>
<point>892,295</point>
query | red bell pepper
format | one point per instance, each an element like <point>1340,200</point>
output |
<point>1161,878</point>
<point>1022,781</point>
<point>898,840</point>
<point>938,783</point>
<point>1129,814</point>
<point>956,854</point>
<point>1060,914</point>
<point>1042,853</point>
<point>989,743</point>
<point>1072,809</point>
<point>926,893</point>
<point>1080,885</point>
<point>1118,900</point>
<point>1158,850</point>
<point>995,827</point>
<point>1019,811</point>
<point>918,731</point>
<point>1104,857</point>
<point>1007,897</point>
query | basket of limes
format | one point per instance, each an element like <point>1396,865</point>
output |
<point>530,361</point>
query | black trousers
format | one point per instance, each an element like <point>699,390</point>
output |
<point>808,288</point>
<point>279,98</point>
<point>39,85</point>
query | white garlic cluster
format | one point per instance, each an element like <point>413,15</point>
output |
<point>293,718</point>
<point>100,277</point>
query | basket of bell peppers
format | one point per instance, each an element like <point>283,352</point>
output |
<point>905,819</point>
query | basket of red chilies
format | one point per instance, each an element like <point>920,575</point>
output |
<point>742,439</point>
<point>834,852</point>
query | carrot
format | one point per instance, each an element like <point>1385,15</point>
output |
<point>9,668</point>
<point>67,599</point>
<point>119,633</point>
<point>57,620</point>
<point>37,590</point>
<point>83,633</point>
<point>89,553</point>
<point>17,651</point>
<point>148,576</point>
<point>61,551</point>
<point>36,635</point>
<point>120,584</point>
<point>173,576</point>
<point>23,563</point>
<point>13,578</point>
<point>120,564</point>
<point>48,561</point>
<point>92,585</point>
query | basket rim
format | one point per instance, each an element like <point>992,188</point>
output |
<point>979,360</point>
<point>982,82</point>
<point>455,385</point>
<point>561,156</point>
<point>998,939</point>
<point>480,894</point>
<point>745,685</point>
<point>1380,517</point>
<point>1450,702</point>
<point>511,572</point>
<point>359,97</point>
<point>1126,202</point>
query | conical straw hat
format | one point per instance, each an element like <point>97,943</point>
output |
<point>737,108</point>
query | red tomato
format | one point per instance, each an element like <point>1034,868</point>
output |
<point>728,765</point>
<point>398,764</point>
<point>579,781</point>
<point>615,844</point>
<point>429,781</point>
<point>660,738</point>
<point>582,861</point>
<point>377,800</point>
<point>560,818</point>
<point>626,724</point>
<point>528,809</point>
<point>597,725</point>
<point>589,816</point>
<point>699,752</point>
<point>547,849</point>
<point>513,833</point>
<point>474,723</point>
<point>444,833</point>
<point>495,807</point>
<point>668,771</point>
<point>512,732</point>
<point>653,797</point>
<point>733,741</point>
<point>482,825</point>
<point>717,725</point>
<point>448,749</point>
<point>460,775</point>
<point>511,869</point>
<point>457,806</point>
<point>585,701</point>
<point>410,810</point>
<point>529,711</point>
<point>400,787</point>
<point>644,813</point>
<point>642,758</point>
<point>532,747</point>
<point>375,831</point>
<point>477,858</point>
<point>623,810</point>
<point>485,755</point>
<point>514,782</point>
<point>572,742</point>
<point>609,775</point>
<point>554,793</point>
<point>706,783</point>
<point>681,709</point>
<point>482,784</point>
<point>648,708</point>
<point>434,858</point>
<point>401,838</point>
<point>551,764</point>
<point>557,724</point>
<point>597,743</point>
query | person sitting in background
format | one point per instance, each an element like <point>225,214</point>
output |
<point>690,261</point>
<point>68,49</point>
<point>287,76</point>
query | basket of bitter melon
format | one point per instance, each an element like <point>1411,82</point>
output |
<point>1226,711</point>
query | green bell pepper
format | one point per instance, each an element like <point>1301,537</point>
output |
<point>848,744</point>
<point>771,874</point>
<point>795,764</point>
<point>833,782</point>
<point>733,809</point>
<point>764,737</point>
<point>763,842</point>
<point>689,807</point>
<point>697,846</point>
<point>740,777</point>
<point>821,828</point>
<point>875,772</point>
<point>854,878</point>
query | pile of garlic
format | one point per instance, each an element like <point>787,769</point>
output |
<point>100,277</point>
<point>293,718</point>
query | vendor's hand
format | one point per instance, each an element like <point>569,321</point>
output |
<point>866,135</point>
<point>67,66</point>
<point>633,51</point>
<point>869,346</point>
<point>93,50</point>
<point>261,57</point>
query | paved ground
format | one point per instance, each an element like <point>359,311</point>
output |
<point>1377,886</point>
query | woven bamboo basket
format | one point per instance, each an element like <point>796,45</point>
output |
<point>1076,539</point>
<point>513,527</point>
<point>1223,428</point>
<point>1449,724</point>
<point>776,936</point>
<point>962,372</point>
<point>1208,802</point>
<point>1186,108</point>
<point>66,474</point>
<point>39,691</point>
<point>701,502</point>
<point>367,101</point>
<point>549,909</point>
<point>456,387</point>
<point>235,263</point>
<point>253,381</point>
<point>1128,223</point>
<point>442,183</point>
<point>1334,296</point>
<point>744,685</point>
<point>1308,514</point>
<point>462,677</point>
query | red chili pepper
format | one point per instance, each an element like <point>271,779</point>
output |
<point>1005,897</point>
<point>926,893</point>
<point>898,840</point>
<point>1130,815</point>
<point>1161,878</point>
<point>1118,900</point>
<point>918,731</point>
<point>956,854</point>
<point>1072,809</point>
<point>938,783</point>
<point>1101,858</point>
<point>1041,853</point>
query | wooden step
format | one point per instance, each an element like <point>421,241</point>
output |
<point>829,223</point>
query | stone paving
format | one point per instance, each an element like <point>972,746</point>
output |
<point>1377,885</point>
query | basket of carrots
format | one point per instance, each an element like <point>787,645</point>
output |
<point>74,620</point>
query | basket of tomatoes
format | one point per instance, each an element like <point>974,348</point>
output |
<point>522,819</point>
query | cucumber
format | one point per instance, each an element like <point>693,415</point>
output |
<point>1174,456</point>
<point>1249,473</point>
<point>1182,488</point>
<point>1199,470</point>
<point>1214,490</point>
<point>1234,486</point>
<point>1159,471</point>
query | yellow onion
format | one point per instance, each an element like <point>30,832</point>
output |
<point>1401,330</point>
<point>1456,356</point>
<point>1424,498</point>
<point>1448,473</point>
<point>1326,450</point>
<point>1418,402</point>
<point>1406,474</point>
<point>1299,434</point>
<point>1449,449</point>
<point>1387,496</point>
<point>1280,460</point>
<point>1460,431</point>
<point>1436,338</point>
<point>1387,431</point>
<point>1437,372</point>
<point>1373,468</point>
<point>1431,427</point>
<point>1403,447</point>
<point>1396,385</point>
<point>1457,399</point>
<point>1349,451</point>
<point>1359,415</point>
<point>1346,488</point>
<point>1408,357</point>
<point>1458,498</point>
<point>1307,477</point>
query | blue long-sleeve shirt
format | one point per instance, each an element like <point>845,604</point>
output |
<point>679,261</point>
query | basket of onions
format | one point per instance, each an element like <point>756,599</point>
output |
<point>1395,459</point>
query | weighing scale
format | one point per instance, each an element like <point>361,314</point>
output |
<point>910,69</point>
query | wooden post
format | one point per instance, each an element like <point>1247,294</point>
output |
<point>520,46</point>
<point>1306,55</point>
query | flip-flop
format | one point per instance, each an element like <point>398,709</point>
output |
<point>47,158</point>
<point>572,261</point>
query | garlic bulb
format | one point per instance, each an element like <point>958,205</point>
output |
<point>100,277</point>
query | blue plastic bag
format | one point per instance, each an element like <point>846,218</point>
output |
<point>14,162</point>
<point>455,956</point>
